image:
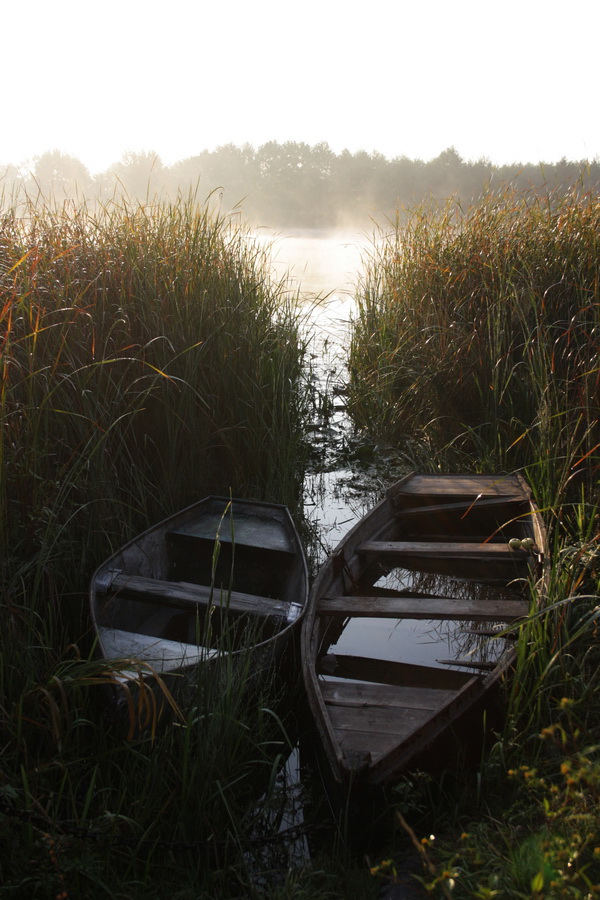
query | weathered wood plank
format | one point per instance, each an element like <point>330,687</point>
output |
<point>459,532</point>
<point>375,720</point>
<point>470,663</point>
<point>360,695</point>
<point>360,748</point>
<point>459,550</point>
<point>469,485</point>
<point>424,608</point>
<point>461,506</point>
<point>162,655</point>
<point>186,594</point>
<point>384,671</point>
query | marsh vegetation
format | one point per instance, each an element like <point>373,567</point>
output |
<point>476,347</point>
<point>149,358</point>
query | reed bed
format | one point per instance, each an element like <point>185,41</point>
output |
<point>479,333</point>
<point>477,341</point>
<point>147,359</point>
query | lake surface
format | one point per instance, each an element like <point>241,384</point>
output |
<point>323,269</point>
<point>317,262</point>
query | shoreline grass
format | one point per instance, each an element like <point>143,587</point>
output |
<point>477,339</point>
<point>479,332</point>
<point>146,360</point>
<point>146,357</point>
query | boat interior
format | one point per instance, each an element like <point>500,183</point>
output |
<point>434,584</point>
<point>180,595</point>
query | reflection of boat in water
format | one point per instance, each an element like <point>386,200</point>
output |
<point>219,577</point>
<point>400,642</point>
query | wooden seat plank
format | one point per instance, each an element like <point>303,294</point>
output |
<point>358,695</point>
<point>161,655</point>
<point>374,720</point>
<point>384,671</point>
<point>465,485</point>
<point>184,593</point>
<point>424,608</point>
<point>459,550</point>
<point>455,533</point>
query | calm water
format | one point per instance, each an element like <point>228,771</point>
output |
<point>324,269</point>
<point>318,263</point>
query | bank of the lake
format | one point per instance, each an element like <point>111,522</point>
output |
<point>152,354</point>
<point>476,344</point>
<point>148,359</point>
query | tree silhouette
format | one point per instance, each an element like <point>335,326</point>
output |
<point>293,184</point>
<point>140,175</point>
<point>60,176</point>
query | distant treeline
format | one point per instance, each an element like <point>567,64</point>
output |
<point>293,184</point>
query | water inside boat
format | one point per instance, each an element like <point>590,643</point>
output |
<point>425,642</point>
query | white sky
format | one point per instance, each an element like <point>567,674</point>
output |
<point>514,81</point>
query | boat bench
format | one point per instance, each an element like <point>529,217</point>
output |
<point>466,507</point>
<point>182,593</point>
<point>470,487</point>
<point>459,550</point>
<point>423,608</point>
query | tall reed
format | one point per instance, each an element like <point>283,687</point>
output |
<point>479,331</point>
<point>146,360</point>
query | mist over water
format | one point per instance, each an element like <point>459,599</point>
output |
<point>318,262</point>
<point>323,269</point>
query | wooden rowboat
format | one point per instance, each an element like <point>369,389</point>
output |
<point>209,580</point>
<point>400,639</point>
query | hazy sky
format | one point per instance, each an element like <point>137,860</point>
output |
<point>515,81</point>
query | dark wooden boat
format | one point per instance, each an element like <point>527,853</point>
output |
<point>400,639</point>
<point>219,577</point>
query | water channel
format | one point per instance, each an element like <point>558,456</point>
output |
<point>340,486</point>
<point>323,270</point>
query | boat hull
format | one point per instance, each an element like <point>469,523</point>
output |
<point>427,572</point>
<point>220,578</point>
